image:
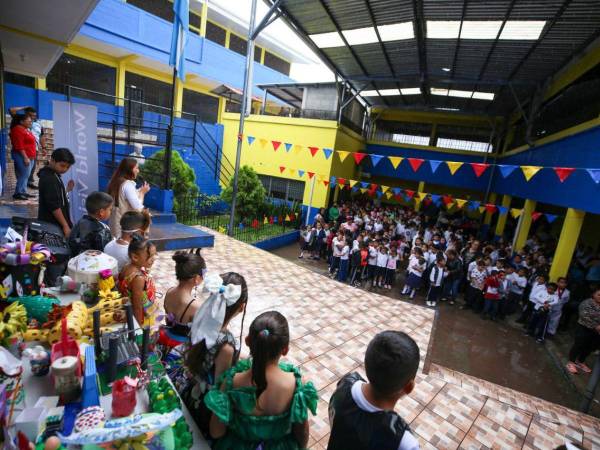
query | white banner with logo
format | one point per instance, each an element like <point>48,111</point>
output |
<point>75,127</point>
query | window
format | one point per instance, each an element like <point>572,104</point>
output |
<point>22,80</point>
<point>283,189</point>
<point>410,139</point>
<point>160,8</point>
<point>195,19</point>
<point>151,91</point>
<point>81,73</point>
<point>206,107</point>
<point>215,33</point>
<point>257,54</point>
<point>237,44</point>
<point>460,144</point>
<point>277,63</point>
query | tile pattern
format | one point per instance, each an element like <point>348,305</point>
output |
<point>331,325</point>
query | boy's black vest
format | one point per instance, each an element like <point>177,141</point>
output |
<point>355,429</point>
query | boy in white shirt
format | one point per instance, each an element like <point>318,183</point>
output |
<point>542,300</point>
<point>563,295</point>
<point>518,283</point>
<point>382,258</point>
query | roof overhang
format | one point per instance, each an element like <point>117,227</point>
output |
<point>232,94</point>
<point>292,93</point>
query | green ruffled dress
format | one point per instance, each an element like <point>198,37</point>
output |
<point>234,407</point>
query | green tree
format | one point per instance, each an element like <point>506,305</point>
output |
<point>251,194</point>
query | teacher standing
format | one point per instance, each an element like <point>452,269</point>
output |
<point>126,195</point>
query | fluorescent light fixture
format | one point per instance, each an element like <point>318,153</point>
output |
<point>387,92</point>
<point>480,29</point>
<point>446,69</point>
<point>462,94</point>
<point>369,94</point>
<point>483,95</point>
<point>411,91</point>
<point>360,36</point>
<point>396,31</point>
<point>447,109</point>
<point>438,91</point>
<point>522,29</point>
<point>327,40</point>
<point>443,29</point>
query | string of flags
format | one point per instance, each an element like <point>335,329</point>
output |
<point>265,220</point>
<point>562,173</point>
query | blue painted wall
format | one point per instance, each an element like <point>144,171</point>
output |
<point>278,241</point>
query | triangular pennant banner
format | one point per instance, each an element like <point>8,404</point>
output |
<point>363,190</point>
<point>515,212</point>
<point>320,177</point>
<point>415,163</point>
<point>491,208</point>
<point>342,154</point>
<point>422,195</point>
<point>384,188</point>
<point>474,204</point>
<point>374,186</point>
<point>276,144</point>
<point>506,169</point>
<point>364,184</point>
<point>254,223</point>
<point>436,198</point>
<point>536,215</point>
<point>292,171</point>
<point>502,209</point>
<point>341,181</point>
<point>313,150</point>
<point>395,160</point>
<point>375,159</point>
<point>300,173</point>
<point>389,195</point>
<point>250,139</point>
<point>271,220</point>
<point>460,202</point>
<point>288,147</point>
<point>550,217</point>
<point>563,172</point>
<point>595,174</point>
<point>333,180</point>
<point>396,190</point>
<point>434,165</point>
<point>453,166</point>
<point>297,149</point>
<point>447,199</point>
<point>409,193</point>
<point>479,168</point>
<point>358,157</point>
<point>325,182</point>
<point>379,194</point>
<point>530,171</point>
<point>355,189</point>
<point>327,152</point>
<point>263,142</point>
<point>266,221</point>
<point>281,169</point>
<point>352,183</point>
<point>310,175</point>
<point>481,209</point>
<point>287,217</point>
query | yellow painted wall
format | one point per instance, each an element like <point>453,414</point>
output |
<point>304,132</point>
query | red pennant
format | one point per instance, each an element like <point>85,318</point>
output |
<point>374,186</point>
<point>479,168</point>
<point>254,223</point>
<point>326,183</point>
<point>281,169</point>
<point>292,216</point>
<point>371,192</point>
<point>563,172</point>
<point>358,157</point>
<point>409,193</point>
<point>415,163</point>
<point>427,201</point>
<point>398,197</point>
<point>491,208</point>
<point>536,215</point>
<point>276,144</point>
<point>280,219</point>
<point>447,199</point>
<point>271,220</point>
<point>313,150</point>
<point>310,175</point>
<point>342,182</point>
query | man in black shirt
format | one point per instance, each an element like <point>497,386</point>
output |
<point>54,203</point>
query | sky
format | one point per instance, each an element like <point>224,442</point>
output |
<point>303,73</point>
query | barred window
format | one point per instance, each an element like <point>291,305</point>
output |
<point>206,107</point>
<point>81,73</point>
<point>160,8</point>
<point>283,188</point>
<point>257,53</point>
<point>276,63</point>
<point>237,44</point>
<point>215,33</point>
<point>152,91</point>
<point>16,78</point>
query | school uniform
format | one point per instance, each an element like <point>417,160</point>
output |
<point>491,296</point>
<point>476,281</point>
<point>382,259</point>
<point>436,280</point>
<point>539,319</point>
<point>415,273</point>
<point>529,306</point>
<point>556,310</point>
<point>390,274</point>
<point>372,262</point>
<point>336,253</point>
<point>515,294</point>
<point>344,259</point>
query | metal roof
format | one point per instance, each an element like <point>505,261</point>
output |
<point>495,65</point>
<point>291,93</point>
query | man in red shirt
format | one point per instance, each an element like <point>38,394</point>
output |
<point>23,153</point>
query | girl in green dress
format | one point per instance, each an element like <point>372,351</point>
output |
<point>262,403</point>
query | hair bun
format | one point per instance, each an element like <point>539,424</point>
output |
<point>181,256</point>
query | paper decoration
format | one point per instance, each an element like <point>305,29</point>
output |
<point>343,155</point>
<point>297,149</point>
<point>313,150</point>
<point>506,169</point>
<point>271,220</point>
<point>481,209</point>
<point>364,184</point>
<point>254,223</point>
<point>363,190</point>
<point>563,172</point>
<point>241,226</point>
<point>435,198</point>
<point>320,177</point>
<point>358,157</point>
<point>434,164</point>
<point>535,215</point>
<point>395,160</point>
<point>388,194</point>
<point>300,173</point>
<point>453,166</point>
<point>374,186</point>
<point>292,171</point>
<point>310,175</point>
<point>275,219</point>
<point>288,147</point>
<point>325,182</point>
<point>515,212</point>
<point>409,193</point>
<point>474,204</point>
<point>355,189</point>
<point>490,208</point>
<point>415,163</point>
<point>502,209</point>
<point>352,183</point>
<point>276,144</point>
<point>281,169</point>
<point>287,217</point>
<point>327,152</point>
<point>375,159</point>
<point>384,188</point>
<point>550,217</point>
<point>422,195</point>
<point>341,181</point>
<point>396,190</point>
<point>263,142</point>
<point>479,168</point>
<point>266,221</point>
<point>250,139</point>
<point>333,180</point>
<point>595,174</point>
<point>379,194</point>
<point>447,199</point>
<point>460,202</point>
<point>530,171</point>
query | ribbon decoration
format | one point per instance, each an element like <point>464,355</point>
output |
<point>453,166</point>
<point>479,168</point>
<point>515,212</point>
<point>563,172</point>
<point>434,164</point>
<point>343,155</point>
<point>327,152</point>
<point>358,157</point>
<point>288,147</point>
<point>530,171</point>
<point>276,145</point>
<point>395,160</point>
<point>415,163</point>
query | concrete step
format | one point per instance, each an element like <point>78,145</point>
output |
<point>176,236</point>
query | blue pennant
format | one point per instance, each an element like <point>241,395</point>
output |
<point>396,191</point>
<point>506,169</point>
<point>436,198</point>
<point>328,152</point>
<point>251,140</point>
<point>275,219</point>
<point>288,147</point>
<point>241,226</point>
<point>379,194</point>
<point>502,209</point>
<point>332,181</point>
<point>550,217</point>
<point>375,159</point>
<point>364,185</point>
<point>300,173</point>
<point>355,189</point>
<point>434,165</point>
<point>474,204</point>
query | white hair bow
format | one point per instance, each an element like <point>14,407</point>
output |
<point>209,318</point>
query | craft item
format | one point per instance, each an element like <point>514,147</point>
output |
<point>13,319</point>
<point>66,347</point>
<point>37,306</point>
<point>19,254</point>
<point>106,281</point>
<point>39,359</point>
<point>89,418</point>
<point>163,398</point>
<point>67,284</point>
<point>84,268</point>
<point>66,379</point>
<point>29,422</point>
<point>123,397</point>
<point>90,395</point>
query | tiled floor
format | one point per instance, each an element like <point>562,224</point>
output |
<point>331,325</point>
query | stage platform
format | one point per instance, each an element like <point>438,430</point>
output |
<point>331,325</point>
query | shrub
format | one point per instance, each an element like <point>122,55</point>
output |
<point>250,196</point>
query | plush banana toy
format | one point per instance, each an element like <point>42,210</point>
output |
<point>12,320</point>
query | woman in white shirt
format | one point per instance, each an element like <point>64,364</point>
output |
<point>124,192</point>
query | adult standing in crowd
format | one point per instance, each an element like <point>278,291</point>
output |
<point>126,195</point>
<point>23,153</point>
<point>587,334</point>
<point>38,133</point>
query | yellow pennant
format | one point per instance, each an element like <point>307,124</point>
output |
<point>297,149</point>
<point>263,142</point>
<point>395,160</point>
<point>388,194</point>
<point>530,171</point>
<point>384,189</point>
<point>482,209</point>
<point>515,212</point>
<point>292,171</point>
<point>222,230</point>
<point>422,195</point>
<point>460,202</point>
<point>352,183</point>
<point>342,154</point>
<point>287,217</point>
<point>266,221</point>
<point>320,177</point>
<point>363,190</point>
<point>417,199</point>
<point>453,166</point>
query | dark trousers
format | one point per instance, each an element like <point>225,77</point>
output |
<point>512,303</point>
<point>491,307</point>
<point>586,341</point>
<point>538,323</point>
<point>335,263</point>
<point>526,312</point>
<point>474,298</point>
<point>390,275</point>
<point>343,272</point>
<point>434,293</point>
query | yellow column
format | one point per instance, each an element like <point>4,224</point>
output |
<point>262,56</point>
<point>120,83</point>
<point>227,38</point>
<point>488,215</point>
<point>506,199</point>
<point>566,243</point>
<point>221,109</point>
<point>40,83</point>
<point>178,104</point>
<point>203,17</point>
<point>421,188</point>
<point>524,224</point>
